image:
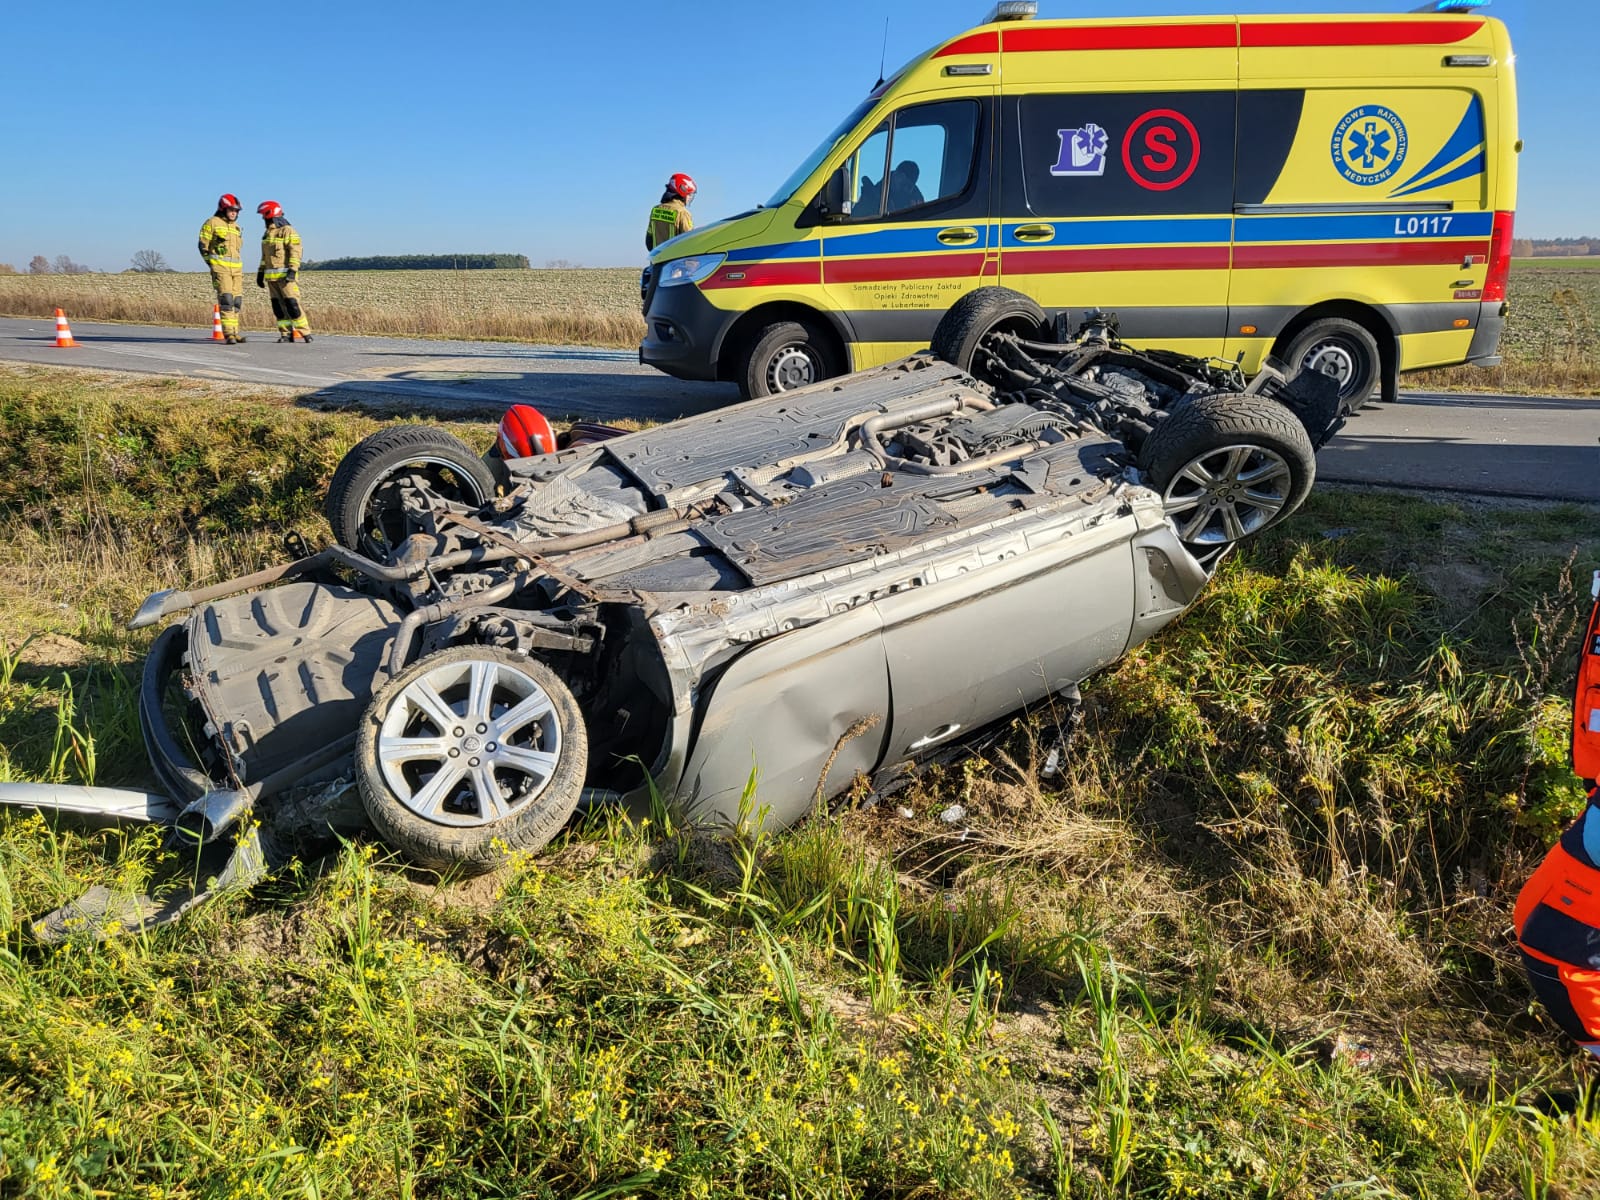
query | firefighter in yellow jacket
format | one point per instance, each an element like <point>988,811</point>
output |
<point>222,247</point>
<point>280,270</point>
<point>671,217</point>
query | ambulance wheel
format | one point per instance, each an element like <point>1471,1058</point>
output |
<point>469,755</point>
<point>363,504</point>
<point>784,356</point>
<point>978,314</point>
<point>1344,351</point>
<point>1228,466</point>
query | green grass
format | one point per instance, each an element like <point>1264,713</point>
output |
<point>1248,941</point>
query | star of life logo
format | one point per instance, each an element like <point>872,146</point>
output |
<point>1083,151</point>
<point>1369,144</point>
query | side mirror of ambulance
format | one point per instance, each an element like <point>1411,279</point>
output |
<point>834,202</point>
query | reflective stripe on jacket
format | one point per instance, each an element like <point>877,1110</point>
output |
<point>280,249</point>
<point>222,243</point>
<point>1586,700</point>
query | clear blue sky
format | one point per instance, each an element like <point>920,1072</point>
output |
<point>531,126</point>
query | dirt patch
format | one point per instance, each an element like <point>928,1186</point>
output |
<point>53,650</point>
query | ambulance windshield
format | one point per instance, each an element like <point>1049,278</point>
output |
<point>803,171</point>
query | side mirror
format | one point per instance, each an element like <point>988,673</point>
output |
<point>833,203</point>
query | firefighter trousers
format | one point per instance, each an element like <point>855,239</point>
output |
<point>228,283</point>
<point>286,307</point>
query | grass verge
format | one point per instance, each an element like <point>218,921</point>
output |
<point>1245,937</point>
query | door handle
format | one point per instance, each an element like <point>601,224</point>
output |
<point>1035,233</point>
<point>960,235</point>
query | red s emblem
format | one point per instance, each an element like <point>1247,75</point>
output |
<point>1161,149</point>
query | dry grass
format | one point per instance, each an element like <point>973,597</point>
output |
<point>592,307</point>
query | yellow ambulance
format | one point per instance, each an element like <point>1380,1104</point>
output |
<point>1334,190</point>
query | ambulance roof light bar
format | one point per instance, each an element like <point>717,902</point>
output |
<point>1013,10</point>
<point>1451,6</point>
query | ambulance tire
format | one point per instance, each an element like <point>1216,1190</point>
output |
<point>784,356</point>
<point>1343,350</point>
<point>359,505</point>
<point>978,314</point>
<point>1252,453</point>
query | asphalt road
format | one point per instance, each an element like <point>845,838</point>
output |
<point>1539,447</point>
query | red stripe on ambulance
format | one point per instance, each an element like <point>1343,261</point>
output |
<point>1429,32</point>
<point>1132,258</point>
<point>1120,37</point>
<point>772,274</point>
<point>925,266</point>
<point>1354,254</point>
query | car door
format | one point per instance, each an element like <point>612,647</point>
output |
<point>917,237</point>
<point>1022,625</point>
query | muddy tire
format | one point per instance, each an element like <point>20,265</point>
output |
<point>469,755</point>
<point>978,314</point>
<point>1228,466</point>
<point>784,356</point>
<point>362,506</point>
<point>1342,350</point>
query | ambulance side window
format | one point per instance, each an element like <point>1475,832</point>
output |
<point>867,172</point>
<point>923,156</point>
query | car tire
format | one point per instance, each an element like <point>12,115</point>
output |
<point>356,506</point>
<point>1343,350</point>
<point>784,356</point>
<point>1228,465</point>
<point>978,314</point>
<point>456,825</point>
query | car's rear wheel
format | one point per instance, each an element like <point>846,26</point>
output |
<point>363,504</point>
<point>1228,466</point>
<point>784,356</point>
<point>977,315</point>
<point>470,754</point>
<point>1342,350</point>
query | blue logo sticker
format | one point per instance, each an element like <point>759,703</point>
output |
<point>1369,144</point>
<point>1083,151</point>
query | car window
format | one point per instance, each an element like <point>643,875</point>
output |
<point>922,155</point>
<point>867,171</point>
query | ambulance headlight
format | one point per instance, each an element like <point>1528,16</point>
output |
<point>689,270</point>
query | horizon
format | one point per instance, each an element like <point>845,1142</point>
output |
<point>408,134</point>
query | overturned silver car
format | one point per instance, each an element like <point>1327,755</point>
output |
<point>811,588</point>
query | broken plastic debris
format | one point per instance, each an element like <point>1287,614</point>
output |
<point>905,812</point>
<point>954,813</point>
<point>1052,764</point>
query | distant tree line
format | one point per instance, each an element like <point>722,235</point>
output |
<point>40,265</point>
<point>422,262</point>
<point>1565,247</point>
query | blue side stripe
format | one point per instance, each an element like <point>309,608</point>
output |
<point>904,241</point>
<point>806,249</point>
<point>1137,231</point>
<point>1469,133</point>
<point>1140,231</point>
<point>1359,227</point>
<point>1473,166</point>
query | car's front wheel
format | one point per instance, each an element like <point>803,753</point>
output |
<point>364,503</point>
<point>1228,466</point>
<point>470,754</point>
<point>786,355</point>
<point>977,315</point>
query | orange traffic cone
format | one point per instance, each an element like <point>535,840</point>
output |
<point>216,323</point>
<point>63,330</point>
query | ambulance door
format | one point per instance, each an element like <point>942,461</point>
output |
<point>918,236</point>
<point>1116,177</point>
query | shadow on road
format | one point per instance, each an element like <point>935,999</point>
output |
<point>561,396</point>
